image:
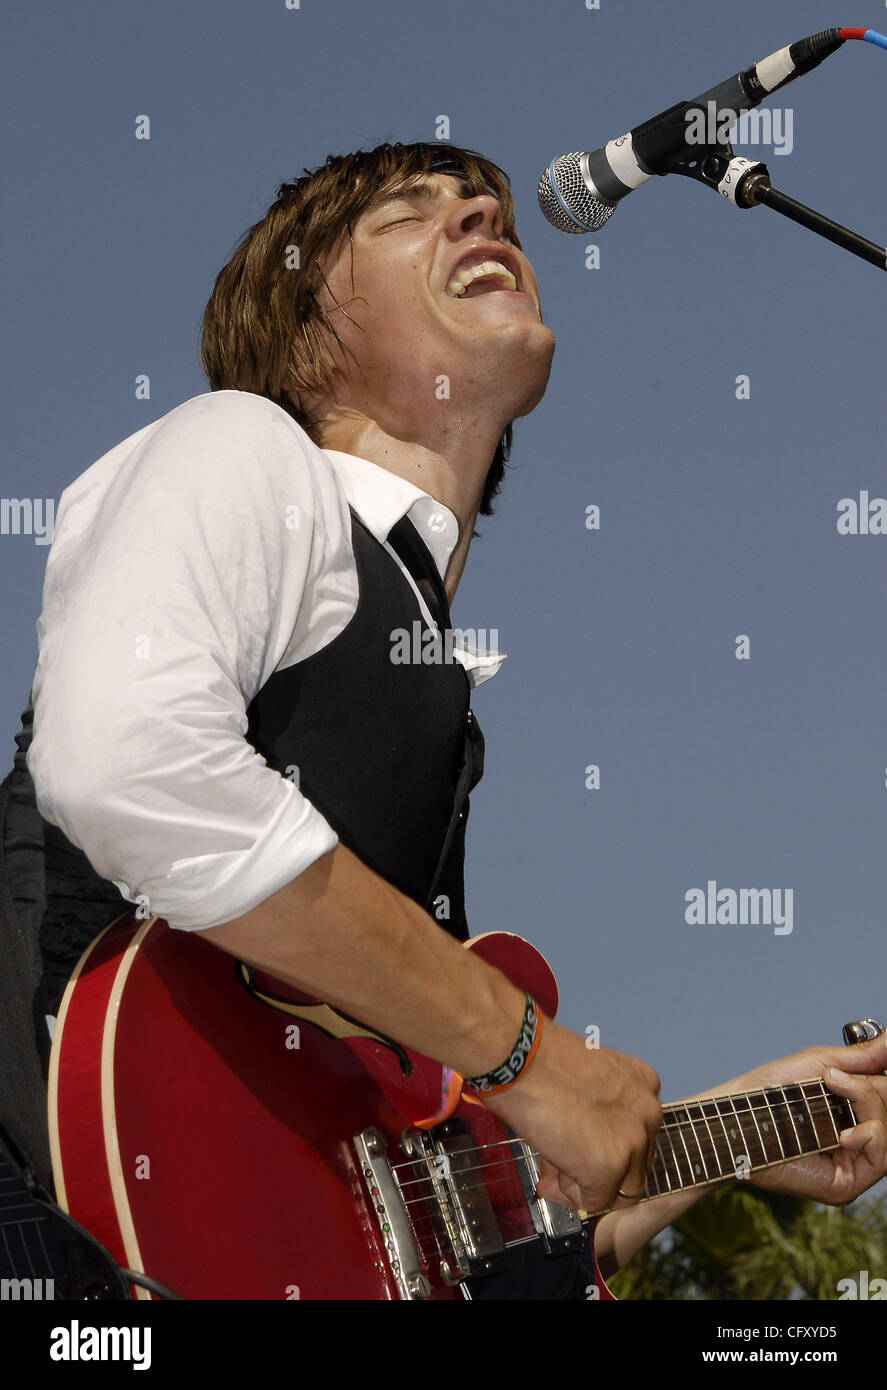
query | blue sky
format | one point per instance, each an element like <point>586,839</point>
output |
<point>718,514</point>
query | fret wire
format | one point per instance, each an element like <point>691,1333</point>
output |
<point>675,1158</point>
<point>696,1136</point>
<point>743,1137</point>
<point>831,1115</point>
<point>654,1176</point>
<point>688,1124</point>
<point>770,1125</point>
<point>712,1138</point>
<point>793,1123</point>
<point>809,1114</point>
<point>760,1136</point>
<point>739,1134</point>
<point>776,1129</point>
<point>686,1151</point>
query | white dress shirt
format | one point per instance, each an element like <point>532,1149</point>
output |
<point>195,559</point>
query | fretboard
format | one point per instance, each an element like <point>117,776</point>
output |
<point>732,1136</point>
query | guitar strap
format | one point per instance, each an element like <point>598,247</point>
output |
<point>405,540</point>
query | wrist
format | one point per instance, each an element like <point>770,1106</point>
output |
<point>489,1037</point>
<point>517,1060</point>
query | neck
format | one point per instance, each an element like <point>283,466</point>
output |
<point>453,469</point>
<point>732,1136</point>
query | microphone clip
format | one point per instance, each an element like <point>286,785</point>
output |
<point>721,169</point>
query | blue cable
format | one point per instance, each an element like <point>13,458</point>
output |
<point>872,36</point>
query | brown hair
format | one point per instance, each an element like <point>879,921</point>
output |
<point>264,327</point>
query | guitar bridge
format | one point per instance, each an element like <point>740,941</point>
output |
<point>434,1216</point>
<point>452,1176</point>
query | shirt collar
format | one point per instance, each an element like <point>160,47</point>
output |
<point>381,498</point>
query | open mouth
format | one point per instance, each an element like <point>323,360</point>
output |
<point>480,275</point>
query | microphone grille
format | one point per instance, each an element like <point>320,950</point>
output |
<point>565,199</point>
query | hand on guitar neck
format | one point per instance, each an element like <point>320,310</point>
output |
<point>839,1174</point>
<point>792,1125</point>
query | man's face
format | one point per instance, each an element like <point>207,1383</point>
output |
<point>410,320</point>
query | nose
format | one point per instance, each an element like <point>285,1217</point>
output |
<point>482,213</point>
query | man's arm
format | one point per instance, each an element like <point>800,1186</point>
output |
<point>183,572</point>
<point>344,934</point>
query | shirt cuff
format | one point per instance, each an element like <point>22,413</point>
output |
<point>210,889</point>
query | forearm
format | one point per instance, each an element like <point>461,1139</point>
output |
<point>344,934</point>
<point>621,1234</point>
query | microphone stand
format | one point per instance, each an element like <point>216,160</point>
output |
<point>746,183</point>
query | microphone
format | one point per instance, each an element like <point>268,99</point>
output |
<point>579,192</point>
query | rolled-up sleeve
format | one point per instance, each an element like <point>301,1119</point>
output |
<point>178,580</point>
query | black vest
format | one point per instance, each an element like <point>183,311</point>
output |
<point>387,753</point>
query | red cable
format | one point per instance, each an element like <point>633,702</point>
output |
<point>851,33</point>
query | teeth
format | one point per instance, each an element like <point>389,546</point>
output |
<point>466,274</point>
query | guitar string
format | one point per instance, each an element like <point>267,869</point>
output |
<point>431,1194</point>
<point>822,1104</point>
<point>707,1152</point>
<point>525,1156</point>
<point>484,1168</point>
<point>427,1160</point>
<point>829,1098</point>
<point>827,1104</point>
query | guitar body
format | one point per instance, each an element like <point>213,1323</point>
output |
<point>203,1128</point>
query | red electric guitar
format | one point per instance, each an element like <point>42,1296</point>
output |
<point>232,1138</point>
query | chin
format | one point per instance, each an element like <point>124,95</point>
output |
<point>536,387</point>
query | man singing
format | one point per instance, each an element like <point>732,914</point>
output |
<point>220,729</point>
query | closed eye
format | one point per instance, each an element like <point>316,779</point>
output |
<point>400,220</point>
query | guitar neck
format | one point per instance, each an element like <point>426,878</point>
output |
<point>732,1136</point>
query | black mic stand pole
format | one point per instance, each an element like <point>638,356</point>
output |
<point>746,183</point>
